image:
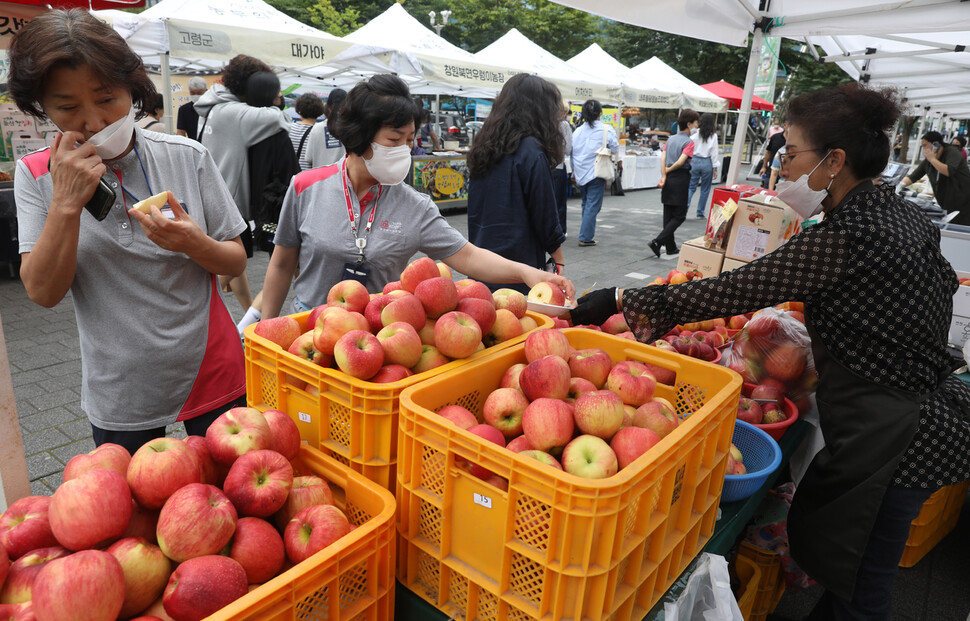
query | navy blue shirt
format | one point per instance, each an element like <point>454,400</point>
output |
<point>512,209</point>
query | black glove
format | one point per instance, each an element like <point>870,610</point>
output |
<point>594,308</point>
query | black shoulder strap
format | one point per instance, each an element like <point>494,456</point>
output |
<point>299,150</point>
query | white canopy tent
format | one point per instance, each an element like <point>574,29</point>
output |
<point>731,21</point>
<point>516,50</point>
<point>694,95</point>
<point>639,90</point>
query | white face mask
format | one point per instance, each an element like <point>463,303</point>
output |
<point>112,141</point>
<point>389,165</point>
<point>798,195</point>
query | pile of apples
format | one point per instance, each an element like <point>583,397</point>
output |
<point>573,410</point>
<point>765,405</point>
<point>421,322</point>
<point>176,531</point>
<point>695,343</point>
<point>676,277</point>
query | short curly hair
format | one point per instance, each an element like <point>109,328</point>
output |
<point>309,106</point>
<point>72,39</point>
<point>383,100</point>
<point>237,72</point>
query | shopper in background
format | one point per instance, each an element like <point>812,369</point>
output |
<point>705,162</point>
<point>376,123</point>
<point>776,140</point>
<point>309,107</point>
<point>948,173</point>
<point>429,139</point>
<point>152,121</point>
<point>229,128</point>
<point>675,175</point>
<point>895,422</point>
<point>587,140</point>
<point>187,122</point>
<point>272,164</point>
<point>960,141</point>
<point>322,147</point>
<point>512,208</point>
<point>157,343</point>
<point>560,174</point>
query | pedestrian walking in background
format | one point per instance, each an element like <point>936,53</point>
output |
<point>323,148</point>
<point>675,167</point>
<point>588,138</point>
<point>187,121</point>
<point>705,162</point>
<point>309,107</point>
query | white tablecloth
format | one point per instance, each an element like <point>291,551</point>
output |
<point>640,171</point>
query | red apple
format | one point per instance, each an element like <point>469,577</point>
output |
<point>506,326</point>
<point>333,324</point>
<point>528,324</point>
<point>209,471</point>
<point>632,381</point>
<point>491,434</point>
<point>510,379</point>
<point>589,457</point>
<point>616,324</point>
<point>17,612</point>
<point>437,295</point>
<point>143,523</point>
<point>391,373</point>
<point>25,526</point>
<point>85,586</point>
<point>401,344</point>
<point>457,335</point>
<point>519,444</point>
<point>91,510</point>
<point>578,386</point>
<point>258,483</point>
<point>630,443</point>
<point>546,342</point>
<point>359,354</point>
<point>662,375</point>
<point>407,308</point>
<point>658,416</point>
<point>307,490</point>
<point>545,377</point>
<point>351,295</point>
<point>427,332</point>
<point>749,411</point>
<point>160,467</point>
<point>107,456</point>
<point>548,424</point>
<point>510,300</point>
<point>201,586</point>
<point>503,410</point>
<point>196,520</point>
<point>468,288</point>
<point>772,413</point>
<point>460,416</point>
<point>373,310</point>
<point>786,362</point>
<point>280,330</point>
<point>392,286</point>
<point>417,271</point>
<point>311,319</point>
<point>285,433</point>
<point>430,358</point>
<point>313,529</point>
<point>258,548</point>
<point>146,570</point>
<point>235,433</point>
<point>304,349</point>
<point>599,413</point>
<point>22,575</point>
<point>482,311</point>
<point>542,457</point>
<point>547,293</point>
<point>591,364</point>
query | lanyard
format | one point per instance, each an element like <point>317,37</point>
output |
<point>360,242</point>
<point>149,183</point>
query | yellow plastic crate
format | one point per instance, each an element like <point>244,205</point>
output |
<point>749,575</point>
<point>556,546</point>
<point>771,584</point>
<point>351,579</point>
<point>939,516</point>
<point>352,420</point>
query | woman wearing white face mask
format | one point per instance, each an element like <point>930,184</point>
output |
<point>356,219</point>
<point>878,297</point>
<point>157,344</point>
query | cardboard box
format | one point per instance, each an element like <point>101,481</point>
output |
<point>695,256</point>
<point>721,195</point>
<point>759,226</point>
<point>960,322</point>
<point>730,264</point>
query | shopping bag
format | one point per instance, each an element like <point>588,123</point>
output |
<point>707,596</point>
<point>603,165</point>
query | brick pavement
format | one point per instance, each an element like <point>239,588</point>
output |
<point>45,365</point>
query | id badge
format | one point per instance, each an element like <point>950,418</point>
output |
<point>356,271</point>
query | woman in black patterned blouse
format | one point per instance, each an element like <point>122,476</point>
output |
<point>878,298</point>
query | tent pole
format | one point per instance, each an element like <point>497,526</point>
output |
<point>757,43</point>
<point>167,87</point>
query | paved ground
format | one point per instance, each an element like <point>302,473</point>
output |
<point>45,363</point>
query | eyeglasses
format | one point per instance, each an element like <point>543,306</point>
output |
<point>786,157</point>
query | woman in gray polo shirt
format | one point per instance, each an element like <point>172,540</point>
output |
<point>357,215</point>
<point>157,344</point>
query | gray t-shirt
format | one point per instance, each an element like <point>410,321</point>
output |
<point>322,148</point>
<point>314,218</point>
<point>146,315</point>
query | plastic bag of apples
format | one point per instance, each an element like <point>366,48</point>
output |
<point>773,351</point>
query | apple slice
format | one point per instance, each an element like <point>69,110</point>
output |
<point>159,200</point>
